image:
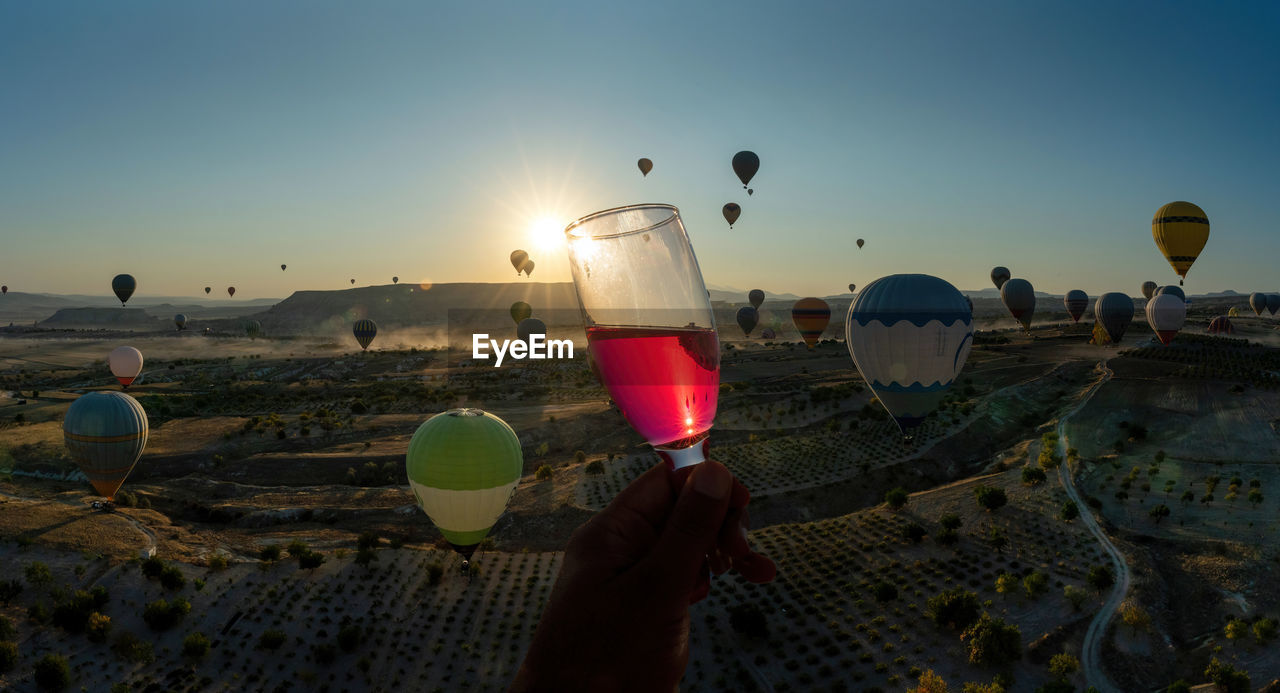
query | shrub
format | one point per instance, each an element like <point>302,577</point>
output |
<point>99,627</point>
<point>896,498</point>
<point>8,656</point>
<point>595,467</point>
<point>950,521</point>
<point>1100,578</point>
<point>52,673</point>
<point>1075,595</point>
<point>1035,584</point>
<point>1070,511</point>
<point>152,567</point>
<point>368,540</point>
<point>992,642</point>
<point>913,532</point>
<point>161,615</point>
<point>133,649</point>
<point>947,537</point>
<point>217,562</point>
<point>173,579</point>
<point>1227,678</point>
<point>990,498</point>
<point>195,645</point>
<point>311,560</point>
<point>269,553</point>
<point>297,548</point>
<point>544,472</point>
<point>956,609</point>
<point>1032,476</point>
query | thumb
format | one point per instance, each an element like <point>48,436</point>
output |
<point>691,530</point>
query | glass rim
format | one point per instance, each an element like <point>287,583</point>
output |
<point>675,212</point>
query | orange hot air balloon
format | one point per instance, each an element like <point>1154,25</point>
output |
<point>811,316</point>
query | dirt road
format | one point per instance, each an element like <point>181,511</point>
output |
<point>1091,654</point>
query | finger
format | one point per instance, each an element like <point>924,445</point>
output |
<point>732,541</point>
<point>691,530</point>
<point>756,568</point>
<point>702,587</point>
<point>648,498</point>
<point>741,496</point>
<point>720,563</point>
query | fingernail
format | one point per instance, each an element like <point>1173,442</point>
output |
<point>711,484</point>
<point>743,529</point>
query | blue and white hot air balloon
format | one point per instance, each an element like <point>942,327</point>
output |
<point>909,335</point>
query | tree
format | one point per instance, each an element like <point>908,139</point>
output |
<point>1100,578</point>
<point>992,642</point>
<point>364,557</point>
<point>1178,686</point>
<point>1264,629</point>
<point>1159,512</point>
<point>884,591</point>
<point>1063,665</point>
<point>1236,629</point>
<point>152,567</point>
<point>1035,584</point>
<point>929,682</point>
<point>53,673</point>
<point>195,646</point>
<point>997,538</point>
<point>1032,476</point>
<point>133,649</point>
<point>272,640</point>
<point>990,498</point>
<point>913,532</point>
<point>434,572</point>
<point>950,521</point>
<point>1134,616</point>
<point>956,609</point>
<point>1227,678</point>
<point>595,467</point>
<point>1075,595</point>
<point>269,553</point>
<point>1006,583</point>
<point>544,472</point>
<point>298,548</point>
<point>99,627</point>
<point>311,560</point>
<point>9,590</point>
<point>172,578</point>
<point>368,540</point>
<point>1187,497</point>
<point>38,574</point>
<point>8,656</point>
<point>1255,497</point>
<point>896,498</point>
<point>1070,511</point>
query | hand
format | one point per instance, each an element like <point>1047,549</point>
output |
<point>618,616</point>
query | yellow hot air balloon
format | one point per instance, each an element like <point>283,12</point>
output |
<point>1180,230</point>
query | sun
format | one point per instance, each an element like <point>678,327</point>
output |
<point>546,232</point>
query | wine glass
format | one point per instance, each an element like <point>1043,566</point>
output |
<point>651,335</point>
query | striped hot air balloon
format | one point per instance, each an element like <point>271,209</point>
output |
<point>1076,302</point>
<point>463,467</point>
<point>909,335</point>
<point>1166,314</point>
<point>1180,230</point>
<point>1115,311</point>
<point>811,316</point>
<point>365,330</point>
<point>105,433</point>
<point>1221,325</point>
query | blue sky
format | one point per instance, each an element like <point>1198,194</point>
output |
<point>196,144</point>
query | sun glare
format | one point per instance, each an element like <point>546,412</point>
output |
<point>546,233</point>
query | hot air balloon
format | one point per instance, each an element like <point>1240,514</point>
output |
<point>395,280</point>
<point>1115,311</point>
<point>645,166</point>
<point>1165,314</point>
<point>463,467</point>
<point>207,289</point>
<point>861,242</point>
<point>1221,325</point>
<point>1258,302</point>
<point>1273,303</point>
<point>1234,312</point>
<point>1180,230</point>
<point>731,212</point>
<point>852,287</point>
<point>518,258</point>
<point>282,267</point>
<point>231,291</point>
<point>999,275</point>
<point>529,327</point>
<point>745,164</point>
<point>181,321</point>
<point>768,333</point>
<point>364,330</point>
<point>811,316</point>
<point>520,310</point>
<point>756,298</point>
<point>253,328</point>
<point>747,319</point>
<point>105,433</point>
<point>123,285</point>
<point>353,281</point>
<point>1076,302</point>
<point>1171,289</point>
<point>1149,289</point>
<point>125,363</point>
<point>4,289</point>
<point>909,335</point>
<point>1019,298</point>
<point>528,268</point>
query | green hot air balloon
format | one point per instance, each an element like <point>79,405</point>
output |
<point>124,285</point>
<point>745,165</point>
<point>756,298</point>
<point>463,467</point>
<point>105,433</point>
<point>519,311</point>
<point>364,330</point>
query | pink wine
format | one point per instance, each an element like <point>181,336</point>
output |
<point>664,379</point>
